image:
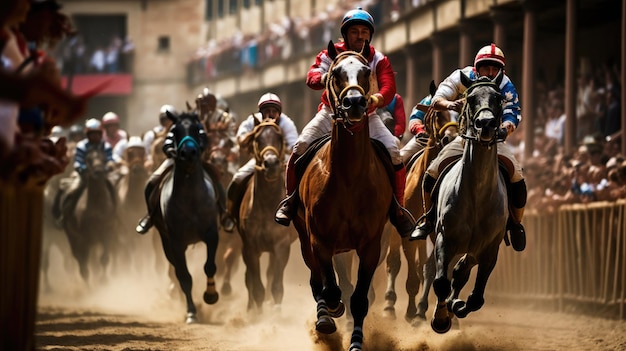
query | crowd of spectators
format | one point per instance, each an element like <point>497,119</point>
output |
<point>596,170</point>
<point>287,38</point>
<point>75,56</point>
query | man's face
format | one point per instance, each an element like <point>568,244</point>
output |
<point>490,71</point>
<point>94,137</point>
<point>270,112</point>
<point>356,35</point>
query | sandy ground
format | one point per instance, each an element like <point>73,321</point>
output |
<point>135,311</point>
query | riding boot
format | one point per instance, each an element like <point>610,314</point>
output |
<point>426,227</point>
<point>517,202</point>
<point>399,216</point>
<point>288,207</point>
<point>146,222</point>
<point>57,214</point>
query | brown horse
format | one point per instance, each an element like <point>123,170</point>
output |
<point>344,196</point>
<point>420,268</point>
<point>259,232</point>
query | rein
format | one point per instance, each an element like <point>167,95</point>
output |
<point>467,121</point>
<point>335,99</point>
<point>260,154</point>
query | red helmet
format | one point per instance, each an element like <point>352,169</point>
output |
<point>110,118</point>
<point>490,54</point>
<point>268,99</point>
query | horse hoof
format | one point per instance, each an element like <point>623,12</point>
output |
<point>226,289</point>
<point>337,311</point>
<point>389,313</point>
<point>417,321</point>
<point>441,327</point>
<point>191,318</point>
<point>325,325</point>
<point>458,308</point>
<point>210,298</point>
<point>356,347</point>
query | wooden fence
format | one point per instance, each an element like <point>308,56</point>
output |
<point>575,259</point>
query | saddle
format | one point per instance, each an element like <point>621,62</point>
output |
<point>303,161</point>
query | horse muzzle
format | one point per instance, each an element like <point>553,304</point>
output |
<point>487,127</point>
<point>354,106</point>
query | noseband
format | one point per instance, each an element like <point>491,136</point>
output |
<point>259,155</point>
<point>468,118</point>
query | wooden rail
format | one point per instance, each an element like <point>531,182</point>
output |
<point>574,259</point>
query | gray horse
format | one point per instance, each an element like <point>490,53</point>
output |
<point>185,210</point>
<point>471,206</point>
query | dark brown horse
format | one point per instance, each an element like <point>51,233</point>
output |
<point>259,232</point>
<point>185,208</point>
<point>345,197</point>
<point>440,130</point>
<point>89,219</point>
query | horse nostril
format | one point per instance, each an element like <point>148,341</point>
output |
<point>362,101</point>
<point>346,102</point>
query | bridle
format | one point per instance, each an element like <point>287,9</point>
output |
<point>259,154</point>
<point>468,117</point>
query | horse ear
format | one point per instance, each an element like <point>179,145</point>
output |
<point>366,49</point>
<point>499,78</point>
<point>465,80</point>
<point>432,88</point>
<point>257,120</point>
<point>189,108</point>
<point>171,116</point>
<point>332,52</point>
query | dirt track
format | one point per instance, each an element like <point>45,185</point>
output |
<point>135,312</point>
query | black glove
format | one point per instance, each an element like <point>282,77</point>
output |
<point>502,134</point>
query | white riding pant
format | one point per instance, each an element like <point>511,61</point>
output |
<point>455,148</point>
<point>410,149</point>
<point>322,124</point>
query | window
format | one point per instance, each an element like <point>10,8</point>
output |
<point>220,8</point>
<point>246,4</point>
<point>208,13</point>
<point>164,44</point>
<point>232,7</point>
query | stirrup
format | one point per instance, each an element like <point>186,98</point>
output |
<point>144,225</point>
<point>422,231</point>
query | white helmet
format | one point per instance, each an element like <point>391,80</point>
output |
<point>490,54</point>
<point>164,109</point>
<point>270,99</point>
<point>93,125</point>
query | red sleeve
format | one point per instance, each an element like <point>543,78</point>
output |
<point>314,76</point>
<point>400,116</point>
<point>386,80</point>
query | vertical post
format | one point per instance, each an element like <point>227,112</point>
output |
<point>528,77</point>
<point>436,41</point>
<point>465,43</point>
<point>623,98</point>
<point>570,77</point>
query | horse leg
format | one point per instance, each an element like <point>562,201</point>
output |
<point>414,277</point>
<point>343,267</point>
<point>256,291</point>
<point>329,304</point>
<point>460,276</point>
<point>427,262</point>
<point>476,299</point>
<point>393,269</point>
<point>368,261</point>
<point>210,295</point>
<point>281,258</point>
<point>441,322</point>
<point>231,257</point>
<point>176,256</point>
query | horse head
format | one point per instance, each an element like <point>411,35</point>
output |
<point>348,83</point>
<point>437,123</point>
<point>188,136</point>
<point>482,113</point>
<point>268,147</point>
<point>96,162</point>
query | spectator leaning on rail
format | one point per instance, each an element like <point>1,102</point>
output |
<point>270,107</point>
<point>490,62</point>
<point>357,28</point>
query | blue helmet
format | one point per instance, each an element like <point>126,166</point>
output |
<point>357,16</point>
